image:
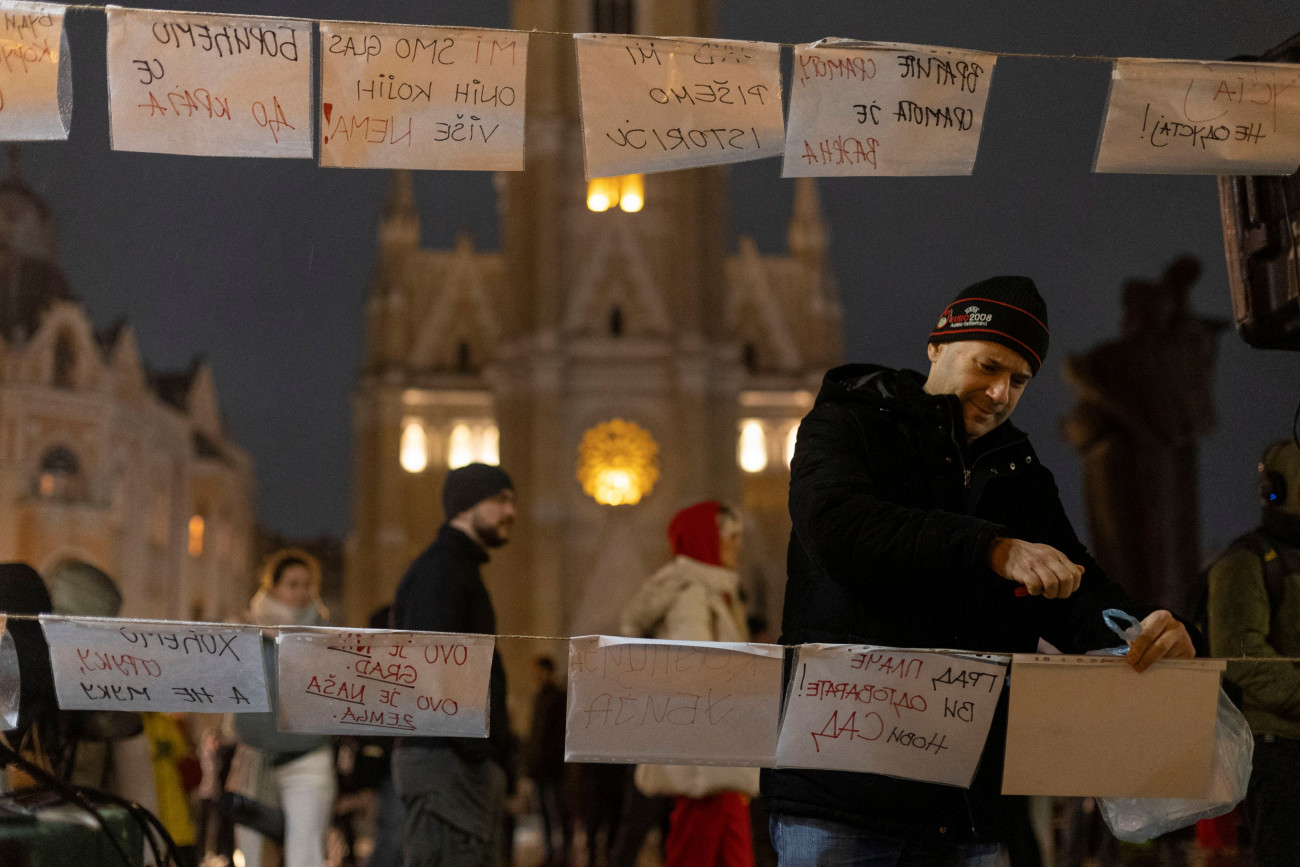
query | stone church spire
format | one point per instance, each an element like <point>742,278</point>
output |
<point>399,239</point>
<point>399,227</point>
<point>807,233</point>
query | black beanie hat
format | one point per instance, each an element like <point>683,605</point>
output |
<point>470,485</point>
<point>1006,310</point>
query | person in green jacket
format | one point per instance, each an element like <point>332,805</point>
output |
<point>1254,610</point>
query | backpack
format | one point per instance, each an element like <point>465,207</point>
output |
<point>1278,561</point>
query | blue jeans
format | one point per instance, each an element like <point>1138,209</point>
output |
<point>803,842</point>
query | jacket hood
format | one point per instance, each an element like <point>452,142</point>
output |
<point>266,610</point>
<point>647,609</point>
<point>693,532</point>
<point>902,391</point>
<point>872,383</point>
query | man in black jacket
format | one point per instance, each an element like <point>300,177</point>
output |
<point>453,790</point>
<point>923,518</point>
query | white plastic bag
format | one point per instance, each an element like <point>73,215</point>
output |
<point>1137,820</point>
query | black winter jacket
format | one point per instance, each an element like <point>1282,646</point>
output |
<point>894,517</point>
<point>442,591</point>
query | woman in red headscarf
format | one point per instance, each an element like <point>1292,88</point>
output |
<point>696,598</point>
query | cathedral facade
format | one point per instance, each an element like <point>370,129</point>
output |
<point>619,365</point>
<point>102,460</point>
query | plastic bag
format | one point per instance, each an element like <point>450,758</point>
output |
<point>1136,820</point>
<point>1123,624</point>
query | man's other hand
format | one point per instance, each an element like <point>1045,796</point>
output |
<point>1040,569</point>
<point>1162,637</point>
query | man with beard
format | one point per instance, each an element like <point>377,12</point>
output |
<point>453,790</point>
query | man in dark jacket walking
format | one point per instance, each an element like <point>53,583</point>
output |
<point>453,790</point>
<point>923,518</point>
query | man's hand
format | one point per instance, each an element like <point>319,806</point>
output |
<point>1162,637</point>
<point>1040,569</point>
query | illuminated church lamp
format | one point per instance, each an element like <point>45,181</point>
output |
<point>460,447</point>
<point>601,194</point>
<point>489,451</point>
<point>196,535</point>
<point>618,463</point>
<point>414,449</point>
<point>751,451</point>
<point>631,193</point>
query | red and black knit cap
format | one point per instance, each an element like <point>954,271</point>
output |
<point>1006,310</point>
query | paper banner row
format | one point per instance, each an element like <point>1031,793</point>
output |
<point>426,97</point>
<point>1078,725</point>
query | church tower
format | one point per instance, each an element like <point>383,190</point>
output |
<point>619,365</point>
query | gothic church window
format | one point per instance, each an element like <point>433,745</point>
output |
<point>749,357</point>
<point>616,322</point>
<point>65,361</point>
<point>463,363</point>
<point>59,477</point>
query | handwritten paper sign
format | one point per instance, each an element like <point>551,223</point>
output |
<point>109,664</point>
<point>209,85</point>
<point>652,105</point>
<point>10,682</point>
<point>904,713</point>
<point>335,681</point>
<point>863,108</point>
<point>422,97</point>
<point>1187,117</point>
<point>35,75</point>
<point>692,702</point>
<point>1092,726</point>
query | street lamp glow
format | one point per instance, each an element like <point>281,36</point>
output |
<point>490,447</point>
<point>601,193</point>
<point>751,451</point>
<point>414,450</point>
<point>631,193</point>
<point>460,449</point>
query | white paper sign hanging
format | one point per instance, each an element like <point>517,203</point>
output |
<point>885,109</point>
<point>672,702</point>
<point>371,681</point>
<point>404,97</point>
<point>904,713</point>
<point>652,105</point>
<point>10,680</point>
<point>112,664</point>
<point>1191,117</point>
<point>35,72</point>
<point>209,85</point>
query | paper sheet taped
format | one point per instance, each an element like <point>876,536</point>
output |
<point>370,681</point>
<point>904,713</point>
<point>1084,726</point>
<point>407,97</point>
<point>652,105</point>
<point>863,108</point>
<point>209,85</point>
<point>35,73</point>
<point>111,664</point>
<point>1189,117</point>
<point>672,702</point>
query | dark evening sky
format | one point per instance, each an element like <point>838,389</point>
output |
<point>261,265</point>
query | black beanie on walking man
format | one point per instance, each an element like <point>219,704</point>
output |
<point>1006,310</point>
<point>470,485</point>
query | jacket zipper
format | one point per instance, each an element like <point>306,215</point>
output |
<point>961,457</point>
<point>952,434</point>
